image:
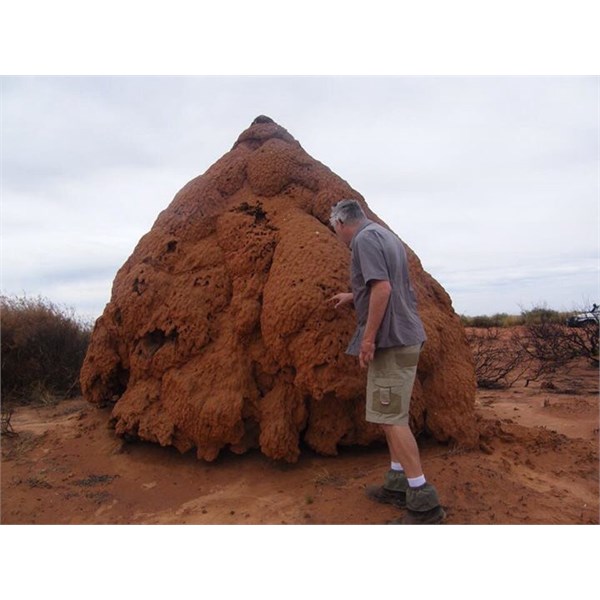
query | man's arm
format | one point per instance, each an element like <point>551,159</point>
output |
<point>378,300</point>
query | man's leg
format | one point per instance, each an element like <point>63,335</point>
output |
<point>390,382</point>
<point>403,448</point>
<point>380,406</point>
<point>422,500</point>
<point>395,485</point>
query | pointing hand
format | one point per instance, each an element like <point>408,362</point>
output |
<point>341,299</point>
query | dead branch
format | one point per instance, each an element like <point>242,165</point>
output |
<point>498,363</point>
<point>6,427</point>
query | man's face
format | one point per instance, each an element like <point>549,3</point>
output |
<point>343,232</point>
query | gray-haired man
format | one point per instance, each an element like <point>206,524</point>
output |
<point>388,341</point>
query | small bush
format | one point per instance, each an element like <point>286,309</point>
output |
<point>43,347</point>
<point>541,315</point>
<point>488,321</point>
<point>498,362</point>
<point>554,345</point>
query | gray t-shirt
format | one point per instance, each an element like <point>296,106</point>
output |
<point>379,255</point>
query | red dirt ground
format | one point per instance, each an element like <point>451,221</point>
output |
<point>538,464</point>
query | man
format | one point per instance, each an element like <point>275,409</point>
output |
<point>388,341</point>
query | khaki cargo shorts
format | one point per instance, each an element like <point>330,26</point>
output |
<point>390,381</point>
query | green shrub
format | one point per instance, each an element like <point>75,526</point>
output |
<point>541,314</point>
<point>487,321</point>
<point>43,347</point>
<point>533,316</point>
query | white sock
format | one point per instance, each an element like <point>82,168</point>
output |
<point>416,481</point>
<point>396,466</point>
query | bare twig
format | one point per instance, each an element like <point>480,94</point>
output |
<point>7,428</point>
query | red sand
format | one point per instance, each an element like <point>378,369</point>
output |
<point>538,464</point>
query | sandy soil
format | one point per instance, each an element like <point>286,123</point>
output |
<point>538,463</point>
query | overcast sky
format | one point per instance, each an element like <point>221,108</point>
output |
<point>492,181</point>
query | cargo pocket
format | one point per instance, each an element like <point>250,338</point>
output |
<point>387,396</point>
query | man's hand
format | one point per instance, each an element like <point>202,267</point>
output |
<point>341,299</point>
<point>366,353</point>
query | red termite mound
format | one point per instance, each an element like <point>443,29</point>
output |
<point>219,335</point>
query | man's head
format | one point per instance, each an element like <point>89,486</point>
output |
<point>345,218</point>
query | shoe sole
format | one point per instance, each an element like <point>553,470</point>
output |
<point>373,493</point>
<point>435,518</point>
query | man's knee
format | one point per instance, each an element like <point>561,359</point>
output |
<point>393,427</point>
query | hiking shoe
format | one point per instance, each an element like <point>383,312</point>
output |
<point>429,517</point>
<point>384,496</point>
<point>423,506</point>
<point>422,499</point>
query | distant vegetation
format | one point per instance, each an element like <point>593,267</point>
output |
<point>540,345</point>
<point>534,316</point>
<point>43,347</point>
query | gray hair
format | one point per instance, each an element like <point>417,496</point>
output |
<point>346,211</point>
